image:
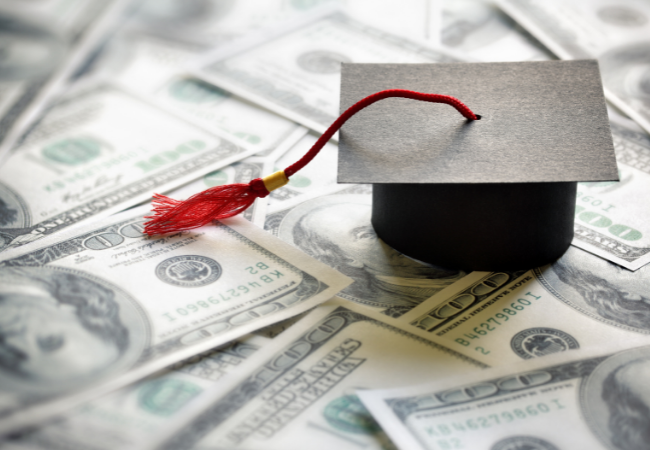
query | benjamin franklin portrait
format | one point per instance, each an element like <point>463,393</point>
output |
<point>615,400</point>
<point>59,328</point>
<point>336,230</point>
<point>601,289</point>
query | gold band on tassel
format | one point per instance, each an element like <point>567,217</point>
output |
<point>275,180</point>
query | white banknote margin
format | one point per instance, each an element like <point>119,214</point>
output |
<point>59,79</point>
<point>376,400</point>
<point>197,69</point>
<point>509,8</point>
<point>280,343</point>
<point>433,27</point>
<point>282,148</point>
<point>41,411</point>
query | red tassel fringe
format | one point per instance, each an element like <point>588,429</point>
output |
<point>219,202</point>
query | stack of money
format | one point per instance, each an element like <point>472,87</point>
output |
<point>293,325</point>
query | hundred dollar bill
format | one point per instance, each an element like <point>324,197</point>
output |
<point>567,401</point>
<point>579,301</point>
<point>617,33</point>
<point>296,74</point>
<point>132,416</point>
<point>335,228</point>
<point>99,151</point>
<point>91,309</point>
<point>613,219</point>
<point>302,387</point>
<point>43,44</point>
<point>152,67</point>
<point>479,29</point>
<point>313,178</point>
<point>240,120</point>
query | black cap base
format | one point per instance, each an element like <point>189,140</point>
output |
<point>495,226</point>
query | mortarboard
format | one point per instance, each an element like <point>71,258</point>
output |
<point>491,194</point>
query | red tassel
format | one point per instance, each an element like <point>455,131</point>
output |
<point>219,202</point>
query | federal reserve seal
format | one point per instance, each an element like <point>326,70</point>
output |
<point>189,271</point>
<point>534,342</point>
<point>347,413</point>
<point>321,61</point>
<point>164,397</point>
<point>523,443</point>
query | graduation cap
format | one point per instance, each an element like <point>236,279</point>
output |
<point>494,190</point>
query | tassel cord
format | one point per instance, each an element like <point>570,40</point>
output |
<point>352,110</point>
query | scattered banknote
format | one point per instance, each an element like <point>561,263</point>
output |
<point>579,301</point>
<point>300,391</point>
<point>218,338</point>
<point>92,309</point>
<point>131,417</point>
<point>217,109</point>
<point>201,102</point>
<point>612,218</point>
<point>43,43</point>
<point>313,178</point>
<point>97,152</point>
<point>335,229</point>
<point>297,74</point>
<point>161,37</point>
<point>158,40</point>
<point>479,29</point>
<point>592,401</point>
<point>617,33</point>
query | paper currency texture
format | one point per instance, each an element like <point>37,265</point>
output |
<point>104,306</point>
<point>584,402</point>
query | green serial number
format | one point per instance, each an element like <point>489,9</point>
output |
<point>490,420</point>
<point>491,324</point>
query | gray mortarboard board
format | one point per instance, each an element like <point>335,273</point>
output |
<point>498,193</point>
